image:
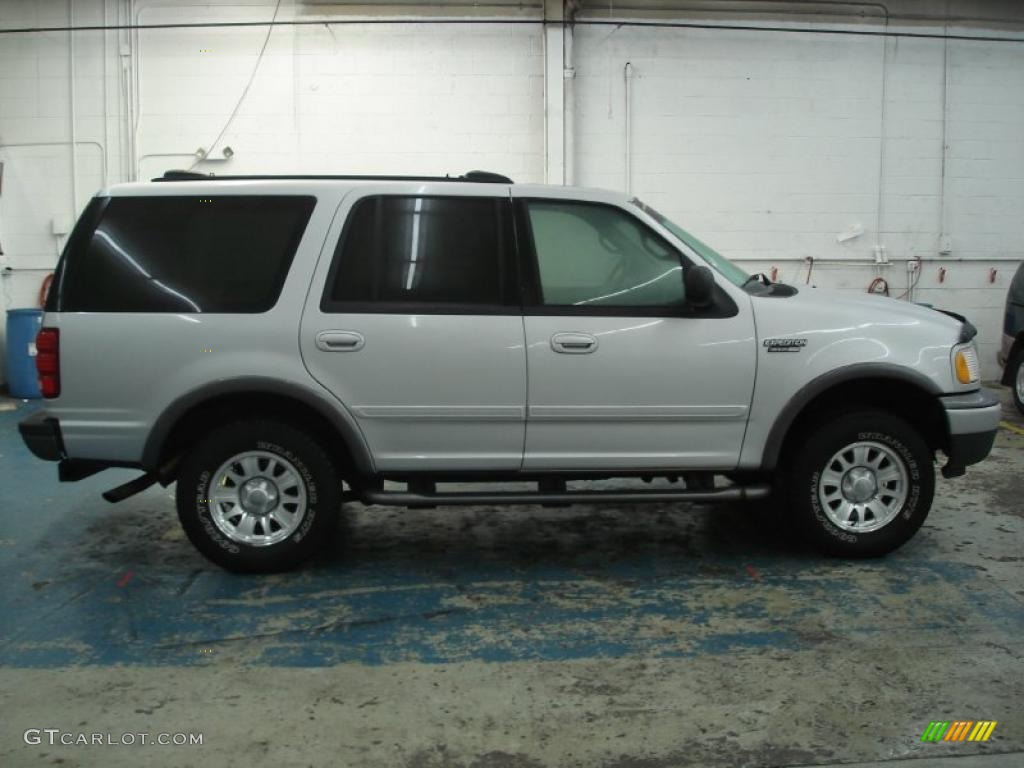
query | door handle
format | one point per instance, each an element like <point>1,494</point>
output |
<point>574,343</point>
<point>339,341</point>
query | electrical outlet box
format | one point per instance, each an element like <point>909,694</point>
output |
<point>60,225</point>
<point>852,232</point>
<point>945,244</point>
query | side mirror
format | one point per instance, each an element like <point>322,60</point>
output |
<point>699,284</point>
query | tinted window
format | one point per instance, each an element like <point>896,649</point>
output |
<point>423,250</point>
<point>598,255</point>
<point>184,254</point>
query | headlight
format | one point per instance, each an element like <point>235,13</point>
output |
<point>965,364</point>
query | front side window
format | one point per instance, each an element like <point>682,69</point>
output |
<point>592,255</point>
<point>184,254</point>
<point>441,252</point>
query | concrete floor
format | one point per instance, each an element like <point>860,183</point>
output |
<point>631,637</point>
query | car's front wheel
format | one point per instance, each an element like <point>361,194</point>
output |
<point>862,483</point>
<point>257,496</point>
<point>1015,369</point>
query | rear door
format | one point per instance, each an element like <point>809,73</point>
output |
<point>623,373</point>
<point>414,323</point>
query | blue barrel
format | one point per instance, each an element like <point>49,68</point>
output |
<point>22,327</point>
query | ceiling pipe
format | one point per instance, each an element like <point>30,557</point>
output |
<point>73,100</point>
<point>569,94</point>
<point>819,7</point>
<point>633,23</point>
<point>627,75</point>
<point>881,257</point>
<point>716,8</point>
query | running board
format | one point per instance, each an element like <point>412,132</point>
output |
<point>403,498</point>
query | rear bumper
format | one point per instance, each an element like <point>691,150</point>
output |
<point>973,421</point>
<point>41,433</point>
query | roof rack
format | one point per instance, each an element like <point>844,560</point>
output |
<point>482,177</point>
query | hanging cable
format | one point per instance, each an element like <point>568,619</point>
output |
<point>913,283</point>
<point>245,91</point>
<point>880,286</point>
<point>44,289</point>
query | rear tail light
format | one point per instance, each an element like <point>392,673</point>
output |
<point>48,361</point>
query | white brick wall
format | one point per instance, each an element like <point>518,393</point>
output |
<point>767,145</point>
<point>360,99</point>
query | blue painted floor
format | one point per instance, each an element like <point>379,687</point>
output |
<point>630,637</point>
<point>86,582</point>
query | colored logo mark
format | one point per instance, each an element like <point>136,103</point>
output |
<point>959,730</point>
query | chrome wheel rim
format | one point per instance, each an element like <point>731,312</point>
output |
<point>1020,381</point>
<point>257,498</point>
<point>863,487</point>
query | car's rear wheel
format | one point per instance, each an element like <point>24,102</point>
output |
<point>257,496</point>
<point>861,484</point>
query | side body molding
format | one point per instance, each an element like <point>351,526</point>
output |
<point>334,412</point>
<point>804,395</point>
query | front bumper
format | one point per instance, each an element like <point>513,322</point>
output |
<point>973,420</point>
<point>41,433</point>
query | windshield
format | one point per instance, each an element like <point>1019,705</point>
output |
<point>726,268</point>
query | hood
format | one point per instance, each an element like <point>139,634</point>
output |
<point>819,313</point>
<point>822,331</point>
<point>870,308</point>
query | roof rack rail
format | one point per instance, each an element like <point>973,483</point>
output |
<point>183,176</point>
<point>486,177</point>
<point>481,177</point>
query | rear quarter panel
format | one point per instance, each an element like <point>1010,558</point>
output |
<point>120,370</point>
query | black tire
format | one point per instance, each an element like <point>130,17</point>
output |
<point>317,478</point>
<point>1013,368</point>
<point>810,462</point>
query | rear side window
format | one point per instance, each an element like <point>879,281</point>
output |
<point>429,253</point>
<point>184,254</point>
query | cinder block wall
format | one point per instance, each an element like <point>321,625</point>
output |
<point>768,145</point>
<point>772,147</point>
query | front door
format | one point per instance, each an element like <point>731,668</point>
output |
<point>415,325</point>
<point>623,373</point>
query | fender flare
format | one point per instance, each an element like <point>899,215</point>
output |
<point>334,413</point>
<point>1007,379</point>
<point>796,404</point>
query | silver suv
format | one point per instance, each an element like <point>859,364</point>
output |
<point>278,346</point>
